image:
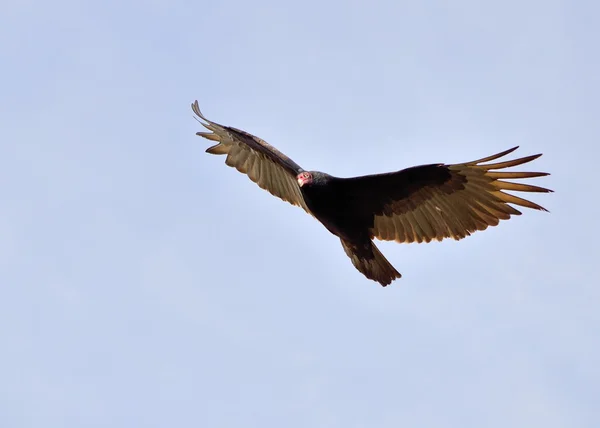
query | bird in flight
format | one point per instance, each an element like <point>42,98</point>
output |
<point>417,204</point>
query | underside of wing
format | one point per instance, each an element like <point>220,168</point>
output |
<point>471,197</point>
<point>261,162</point>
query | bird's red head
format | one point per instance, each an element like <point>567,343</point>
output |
<point>304,177</point>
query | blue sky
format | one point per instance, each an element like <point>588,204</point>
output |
<point>143,283</point>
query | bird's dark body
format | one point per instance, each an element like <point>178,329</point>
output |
<point>417,204</point>
<point>347,206</point>
<point>329,201</point>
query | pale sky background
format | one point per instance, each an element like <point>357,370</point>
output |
<point>145,284</point>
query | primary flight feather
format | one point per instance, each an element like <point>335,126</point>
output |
<point>418,204</point>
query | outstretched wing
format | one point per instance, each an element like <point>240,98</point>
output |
<point>440,201</point>
<point>261,162</point>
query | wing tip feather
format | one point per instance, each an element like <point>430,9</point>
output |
<point>198,112</point>
<point>492,157</point>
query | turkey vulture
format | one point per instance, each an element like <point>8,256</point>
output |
<point>417,204</point>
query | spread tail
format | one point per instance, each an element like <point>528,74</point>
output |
<point>367,258</point>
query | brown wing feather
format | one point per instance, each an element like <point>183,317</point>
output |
<point>261,162</point>
<point>453,202</point>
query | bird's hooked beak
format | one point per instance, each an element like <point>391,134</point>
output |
<point>304,178</point>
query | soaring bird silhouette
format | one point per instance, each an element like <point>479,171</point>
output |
<point>417,204</point>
